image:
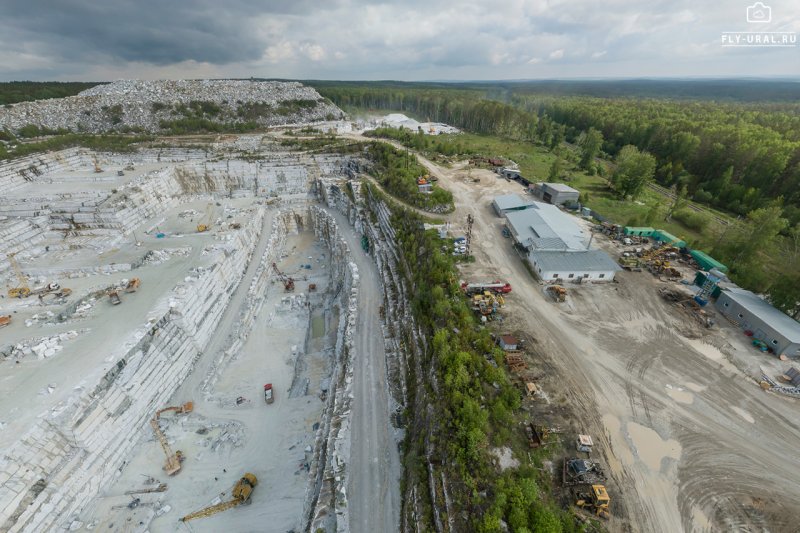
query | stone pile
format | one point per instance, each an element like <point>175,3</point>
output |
<point>138,105</point>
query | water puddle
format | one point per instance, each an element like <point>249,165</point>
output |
<point>650,447</point>
<point>317,327</point>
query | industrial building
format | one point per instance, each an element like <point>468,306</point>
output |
<point>778,331</point>
<point>555,245</point>
<point>555,193</point>
<point>510,202</point>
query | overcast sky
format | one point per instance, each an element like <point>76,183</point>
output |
<point>372,39</point>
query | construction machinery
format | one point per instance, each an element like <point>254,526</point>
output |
<point>133,285</point>
<point>288,283</point>
<point>113,296</point>
<point>97,168</point>
<point>205,222</point>
<point>269,393</point>
<point>22,290</point>
<point>161,487</point>
<point>173,463</point>
<point>5,320</point>
<point>595,500</point>
<point>497,287</point>
<point>558,292</point>
<point>241,494</point>
<point>183,409</point>
<point>582,472</point>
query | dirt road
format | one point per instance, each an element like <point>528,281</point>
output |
<point>690,442</point>
<point>374,488</point>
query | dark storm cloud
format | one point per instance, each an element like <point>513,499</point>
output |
<point>152,31</point>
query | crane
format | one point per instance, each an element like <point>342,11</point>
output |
<point>241,495</point>
<point>22,290</point>
<point>173,463</point>
<point>205,222</point>
<point>288,283</point>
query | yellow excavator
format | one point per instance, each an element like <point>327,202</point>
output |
<point>240,496</point>
<point>22,290</point>
<point>205,222</point>
<point>173,463</point>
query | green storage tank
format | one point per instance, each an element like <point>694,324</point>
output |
<point>706,262</point>
<point>639,232</point>
<point>669,238</point>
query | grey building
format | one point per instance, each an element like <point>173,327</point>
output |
<point>556,247</point>
<point>555,193</point>
<point>778,331</point>
<point>510,173</point>
<point>510,202</point>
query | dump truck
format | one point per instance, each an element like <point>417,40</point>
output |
<point>113,295</point>
<point>5,320</point>
<point>594,498</point>
<point>241,494</point>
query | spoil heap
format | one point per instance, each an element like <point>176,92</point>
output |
<point>151,106</point>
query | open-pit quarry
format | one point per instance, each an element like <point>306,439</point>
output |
<point>212,233</point>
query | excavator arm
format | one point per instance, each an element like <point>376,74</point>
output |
<point>214,509</point>
<point>173,463</point>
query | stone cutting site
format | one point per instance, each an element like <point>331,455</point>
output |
<point>184,343</point>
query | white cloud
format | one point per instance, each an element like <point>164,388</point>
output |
<point>434,39</point>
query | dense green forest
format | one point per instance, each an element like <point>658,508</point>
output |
<point>12,92</point>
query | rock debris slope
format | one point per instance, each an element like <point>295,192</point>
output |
<point>152,106</point>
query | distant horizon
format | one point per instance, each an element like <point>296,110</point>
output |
<point>793,79</point>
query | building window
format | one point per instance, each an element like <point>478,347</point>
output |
<point>602,275</point>
<point>572,275</point>
<point>741,315</point>
<point>775,342</point>
<point>726,304</point>
<point>586,275</point>
<point>555,276</point>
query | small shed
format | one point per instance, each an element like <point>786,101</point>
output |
<point>555,193</point>
<point>510,202</point>
<point>792,376</point>
<point>508,343</point>
<point>706,262</point>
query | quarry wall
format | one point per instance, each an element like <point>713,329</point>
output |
<point>73,452</point>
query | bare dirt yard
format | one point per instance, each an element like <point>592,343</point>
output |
<point>690,442</point>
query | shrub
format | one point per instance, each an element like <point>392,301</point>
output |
<point>691,219</point>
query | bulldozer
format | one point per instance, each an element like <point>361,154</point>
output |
<point>173,463</point>
<point>558,293</point>
<point>596,500</point>
<point>241,496</point>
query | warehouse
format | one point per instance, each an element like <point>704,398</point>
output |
<point>510,202</point>
<point>556,246</point>
<point>778,331</point>
<point>555,193</point>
